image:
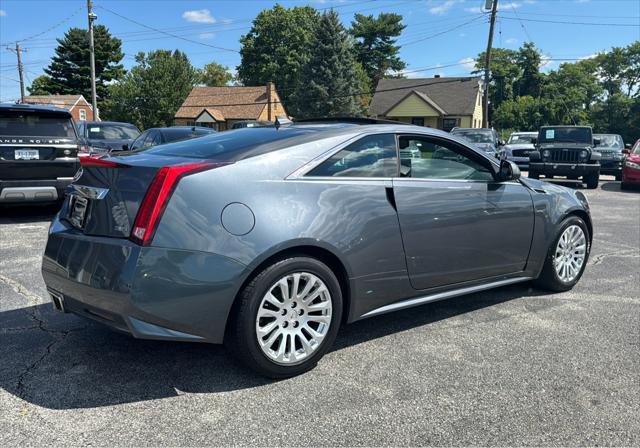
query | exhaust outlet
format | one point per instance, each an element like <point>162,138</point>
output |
<point>58,301</point>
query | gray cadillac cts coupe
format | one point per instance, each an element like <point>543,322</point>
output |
<point>269,239</point>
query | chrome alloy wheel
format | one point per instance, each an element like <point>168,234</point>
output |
<point>570,253</point>
<point>293,318</point>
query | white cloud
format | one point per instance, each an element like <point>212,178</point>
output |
<point>474,10</point>
<point>198,16</point>
<point>511,41</point>
<point>468,63</point>
<point>3,13</point>
<point>501,6</point>
<point>207,35</point>
<point>443,8</point>
<point>509,5</point>
<point>227,21</point>
<point>590,56</point>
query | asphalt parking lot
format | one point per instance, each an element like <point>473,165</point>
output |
<point>514,366</point>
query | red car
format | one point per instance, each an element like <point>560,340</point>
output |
<point>631,168</point>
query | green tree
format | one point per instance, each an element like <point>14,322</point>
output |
<point>215,75</point>
<point>504,74</point>
<point>375,44</point>
<point>41,85</point>
<point>277,47</point>
<point>69,71</point>
<point>328,84</point>
<point>150,94</point>
<point>529,60</point>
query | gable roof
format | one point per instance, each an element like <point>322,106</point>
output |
<point>64,101</point>
<point>456,95</point>
<point>231,103</point>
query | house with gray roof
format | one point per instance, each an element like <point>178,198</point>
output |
<point>439,102</point>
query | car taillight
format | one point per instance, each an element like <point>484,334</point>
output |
<point>157,196</point>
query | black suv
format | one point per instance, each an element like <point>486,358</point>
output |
<point>566,151</point>
<point>38,153</point>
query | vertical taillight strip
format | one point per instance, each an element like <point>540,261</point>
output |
<point>158,195</point>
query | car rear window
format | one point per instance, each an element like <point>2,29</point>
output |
<point>17,124</point>
<point>610,141</point>
<point>565,135</point>
<point>242,143</point>
<point>111,132</point>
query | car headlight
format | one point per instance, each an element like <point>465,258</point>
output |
<point>584,154</point>
<point>632,165</point>
<point>546,154</point>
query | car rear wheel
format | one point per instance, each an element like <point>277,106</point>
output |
<point>567,257</point>
<point>288,317</point>
<point>591,180</point>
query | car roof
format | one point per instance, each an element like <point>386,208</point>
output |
<point>524,132</point>
<point>186,128</point>
<point>599,135</point>
<point>34,108</point>
<point>565,126</point>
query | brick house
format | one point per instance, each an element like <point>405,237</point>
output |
<point>79,107</point>
<point>220,107</point>
<point>442,103</point>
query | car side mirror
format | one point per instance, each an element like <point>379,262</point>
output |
<point>508,171</point>
<point>626,151</point>
<point>596,142</point>
<point>534,141</point>
<point>125,147</point>
<point>501,142</point>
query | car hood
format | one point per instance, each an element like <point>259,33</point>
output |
<point>561,145</point>
<point>109,144</point>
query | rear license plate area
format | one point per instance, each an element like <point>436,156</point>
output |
<point>26,154</point>
<point>77,214</point>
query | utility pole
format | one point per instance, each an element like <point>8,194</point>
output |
<point>487,65</point>
<point>92,53</point>
<point>17,51</point>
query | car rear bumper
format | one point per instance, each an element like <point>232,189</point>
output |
<point>21,191</point>
<point>148,292</point>
<point>564,169</point>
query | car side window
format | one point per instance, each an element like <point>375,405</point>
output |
<point>150,140</point>
<point>426,158</point>
<point>157,139</point>
<point>371,156</point>
<point>137,143</point>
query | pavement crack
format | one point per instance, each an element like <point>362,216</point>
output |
<point>597,259</point>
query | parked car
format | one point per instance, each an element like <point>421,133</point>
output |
<point>252,124</point>
<point>610,147</point>
<point>268,239</point>
<point>105,136</point>
<point>566,151</point>
<point>485,139</point>
<point>518,147</point>
<point>38,153</point>
<point>631,169</point>
<point>158,136</point>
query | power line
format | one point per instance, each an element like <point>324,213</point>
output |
<point>51,28</point>
<point>442,32</point>
<point>573,23</point>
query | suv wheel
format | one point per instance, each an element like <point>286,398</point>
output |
<point>567,256</point>
<point>288,318</point>
<point>592,180</point>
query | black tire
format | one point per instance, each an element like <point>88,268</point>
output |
<point>618,177</point>
<point>548,278</point>
<point>624,186</point>
<point>591,180</point>
<point>534,175</point>
<point>241,340</point>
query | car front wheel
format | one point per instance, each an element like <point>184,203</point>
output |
<point>567,257</point>
<point>288,317</point>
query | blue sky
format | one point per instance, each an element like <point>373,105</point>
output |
<point>441,35</point>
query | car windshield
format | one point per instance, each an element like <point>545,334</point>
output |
<point>565,135</point>
<point>18,124</point>
<point>521,139</point>
<point>636,148</point>
<point>476,136</point>
<point>610,141</point>
<point>101,131</point>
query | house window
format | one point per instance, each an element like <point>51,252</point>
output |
<point>449,123</point>
<point>417,121</point>
<point>83,115</point>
